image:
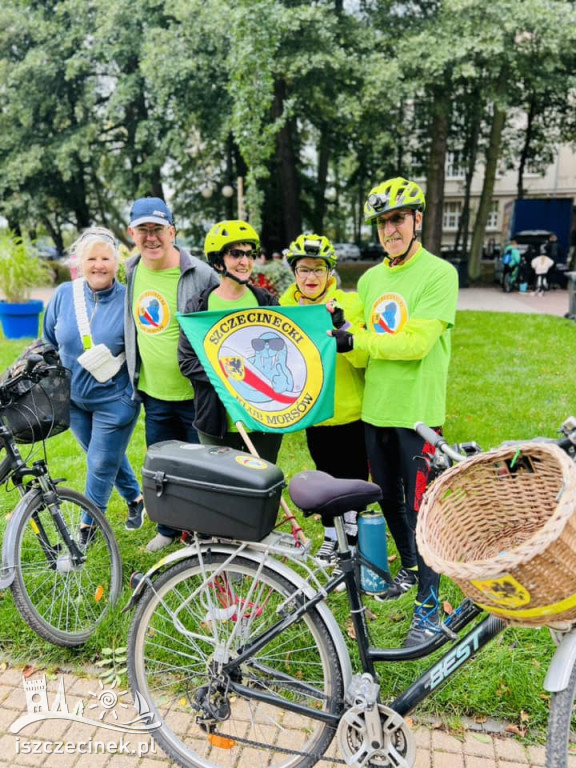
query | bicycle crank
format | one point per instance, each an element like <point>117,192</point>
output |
<point>393,745</point>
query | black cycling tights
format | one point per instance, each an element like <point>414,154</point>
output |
<point>396,464</point>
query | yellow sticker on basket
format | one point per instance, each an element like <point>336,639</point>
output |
<point>251,462</point>
<point>504,591</point>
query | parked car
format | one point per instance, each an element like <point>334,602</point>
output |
<point>347,251</point>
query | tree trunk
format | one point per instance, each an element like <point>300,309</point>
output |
<point>492,156</point>
<point>532,110</point>
<point>55,233</point>
<point>319,211</point>
<point>286,160</point>
<point>432,226</point>
<point>471,154</point>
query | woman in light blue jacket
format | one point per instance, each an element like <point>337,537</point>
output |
<point>88,314</point>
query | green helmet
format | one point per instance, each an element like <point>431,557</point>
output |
<point>392,195</point>
<point>225,234</point>
<point>313,247</point>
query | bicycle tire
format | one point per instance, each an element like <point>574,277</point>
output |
<point>64,604</point>
<point>172,671</point>
<point>560,720</point>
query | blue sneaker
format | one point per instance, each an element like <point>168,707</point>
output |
<point>425,624</point>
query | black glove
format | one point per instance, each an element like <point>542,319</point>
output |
<point>338,319</point>
<point>344,341</point>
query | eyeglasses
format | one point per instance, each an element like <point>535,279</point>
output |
<point>156,231</point>
<point>275,343</point>
<point>305,271</point>
<point>396,220</point>
<point>238,253</point>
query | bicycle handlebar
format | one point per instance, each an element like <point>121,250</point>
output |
<point>438,441</point>
<point>566,443</point>
<point>31,372</point>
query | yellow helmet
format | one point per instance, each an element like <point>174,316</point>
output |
<point>392,195</point>
<point>226,233</point>
<point>314,247</point>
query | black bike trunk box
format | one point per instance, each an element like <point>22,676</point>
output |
<point>213,490</point>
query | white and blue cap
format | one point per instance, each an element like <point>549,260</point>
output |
<point>150,210</point>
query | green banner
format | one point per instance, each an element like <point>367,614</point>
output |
<point>272,367</point>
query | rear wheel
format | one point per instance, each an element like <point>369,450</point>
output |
<point>189,624</point>
<point>61,601</point>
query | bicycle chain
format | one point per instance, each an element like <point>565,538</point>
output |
<point>284,750</point>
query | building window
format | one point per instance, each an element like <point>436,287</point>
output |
<point>492,222</point>
<point>451,216</point>
<point>454,166</point>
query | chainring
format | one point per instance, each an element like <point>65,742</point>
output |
<point>398,749</point>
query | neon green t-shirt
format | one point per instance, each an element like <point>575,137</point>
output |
<point>154,310</point>
<point>408,311</point>
<point>247,301</point>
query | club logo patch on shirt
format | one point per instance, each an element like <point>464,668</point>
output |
<point>153,313</point>
<point>389,314</point>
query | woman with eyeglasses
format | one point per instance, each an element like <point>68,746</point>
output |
<point>337,445</point>
<point>87,316</point>
<point>231,248</point>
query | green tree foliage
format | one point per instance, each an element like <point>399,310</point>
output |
<point>309,104</point>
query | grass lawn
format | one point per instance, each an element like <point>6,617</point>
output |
<point>510,379</point>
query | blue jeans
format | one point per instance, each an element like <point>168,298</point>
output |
<point>104,431</point>
<point>169,420</point>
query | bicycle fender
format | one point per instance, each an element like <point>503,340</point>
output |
<point>8,572</point>
<point>562,664</point>
<point>291,576</point>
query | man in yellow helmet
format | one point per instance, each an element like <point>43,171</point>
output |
<point>409,303</point>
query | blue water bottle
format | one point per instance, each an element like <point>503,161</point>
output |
<point>372,544</point>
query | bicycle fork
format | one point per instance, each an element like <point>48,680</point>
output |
<point>562,663</point>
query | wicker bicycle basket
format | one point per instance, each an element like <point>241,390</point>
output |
<point>501,525</point>
<point>39,409</point>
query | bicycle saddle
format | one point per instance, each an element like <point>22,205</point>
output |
<point>319,492</point>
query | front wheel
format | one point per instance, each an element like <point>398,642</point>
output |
<point>189,624</point>
<point>64,601</point>
<point>561,725</point>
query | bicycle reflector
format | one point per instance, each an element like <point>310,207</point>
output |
<point>221,742</point>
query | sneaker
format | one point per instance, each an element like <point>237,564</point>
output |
<point>135,515</point>
<point>86,535</point>
<point>425,624</point>
<point>160,542</point>
<point>326,554</point>
<point>403,582</point>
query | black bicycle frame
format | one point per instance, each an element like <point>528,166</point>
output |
<point>442,670</point>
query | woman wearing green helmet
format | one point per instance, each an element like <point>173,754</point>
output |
<point>231,247</point>
<point>337,445</point>
<point>409,305</point>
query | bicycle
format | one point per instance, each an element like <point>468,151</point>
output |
<point>64,582</point>
<point>235,651</point>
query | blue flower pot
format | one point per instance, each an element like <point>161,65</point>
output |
<point>20,321</point>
